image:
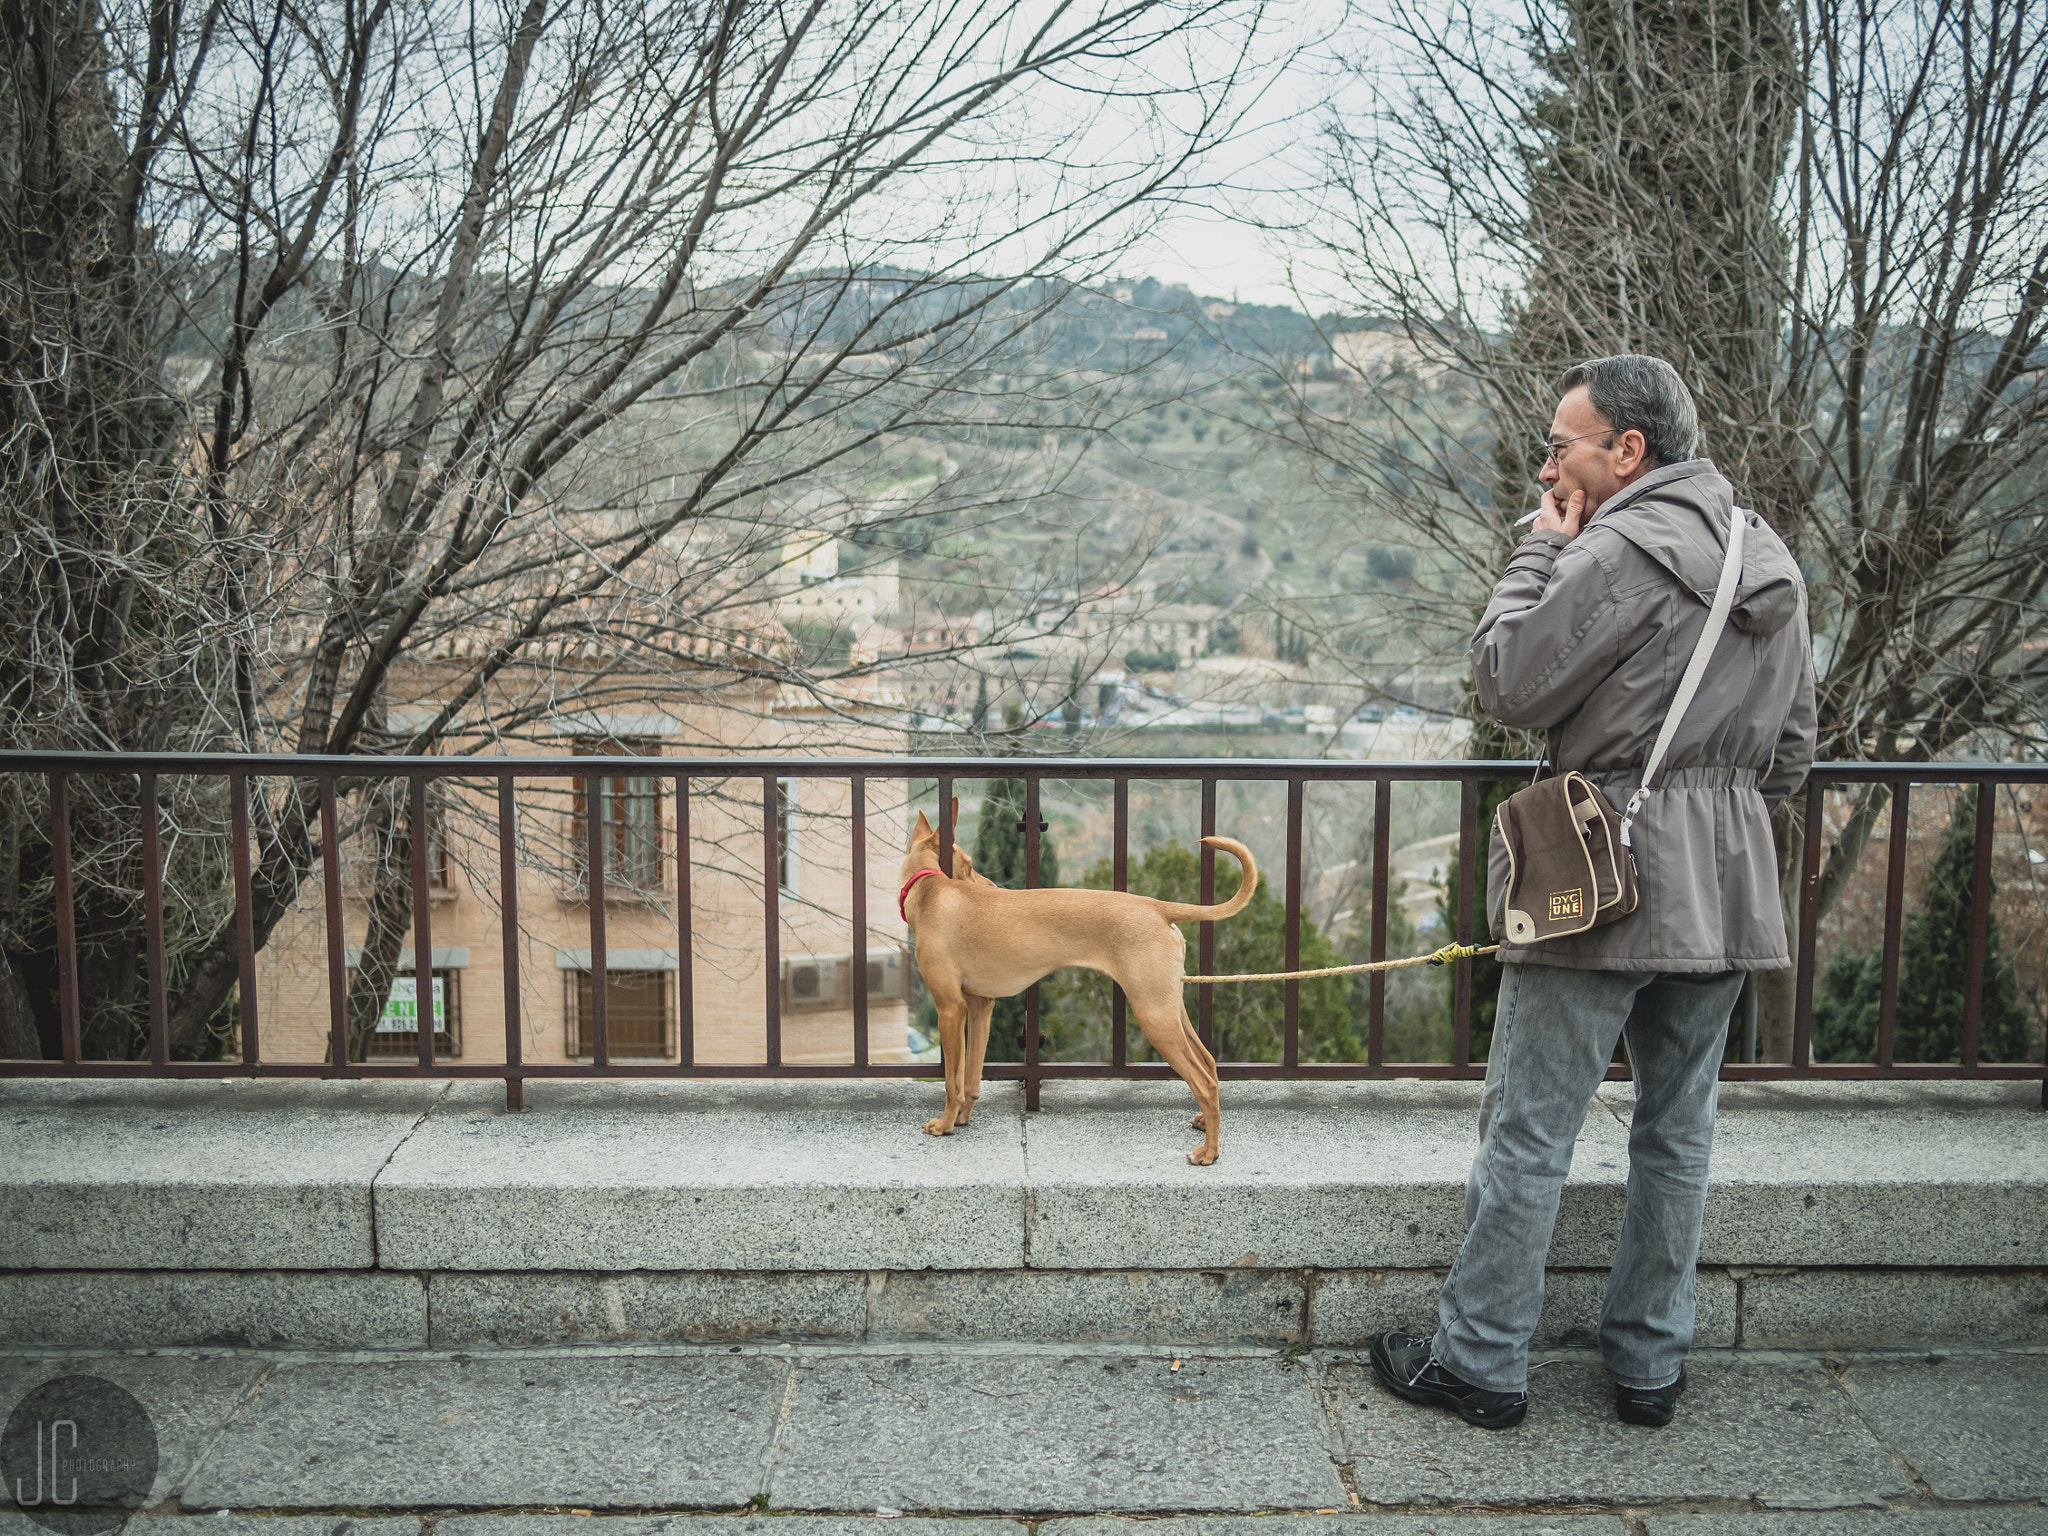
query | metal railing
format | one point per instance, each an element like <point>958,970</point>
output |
<point>327,779</point>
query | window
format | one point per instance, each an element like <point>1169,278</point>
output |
<point>398,1030</point>
<point>628,815</point>
<point>786,865</point>
<point>636,1013</point>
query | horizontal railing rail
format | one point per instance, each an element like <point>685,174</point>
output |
<point>322,783</point>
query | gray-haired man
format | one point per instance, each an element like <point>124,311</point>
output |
<point>1585,639</point>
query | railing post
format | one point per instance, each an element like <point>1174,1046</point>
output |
<point>595,835</point>
<point>508,914</point>
<point>947,831</point>
<point>1461,986</point>
<point>245,918</point>
<point>422,924</point>
<point>1290,1053</point>
<point>857,798</point>
<point>771,913</point>
<point>1031,993</point>
<point>1376,1005</point>
<point>1119,880</point>
<point>1205,1004</point>
<point>337,954</point>
<point>153,924</point>
<point>1894,925</point>
<point>67,919</point>
<point>1980,925</point>
<point>686,967</point>
<point>1809,917</point>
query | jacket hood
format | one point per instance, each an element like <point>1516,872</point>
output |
<point>1678,516</point>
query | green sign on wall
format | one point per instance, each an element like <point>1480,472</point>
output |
<point>401,1014</point>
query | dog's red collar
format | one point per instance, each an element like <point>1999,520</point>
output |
<point>904,894</point>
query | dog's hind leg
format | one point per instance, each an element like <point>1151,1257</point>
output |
<point>953,1047</point>
<point>978,1011</point>
<point>1202,1054</point>
<point>1166,1030</point>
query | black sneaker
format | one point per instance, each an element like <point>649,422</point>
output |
<point>1650,1407</point>
<point>1405,1368</point>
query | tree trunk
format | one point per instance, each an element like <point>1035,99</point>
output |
<point>18,1037</point>
<point>387,840</point>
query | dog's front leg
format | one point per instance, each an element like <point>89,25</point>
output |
<point>978,1011</point>
<point>953,1047</point>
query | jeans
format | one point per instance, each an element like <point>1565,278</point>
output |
<point>1553,1036</point>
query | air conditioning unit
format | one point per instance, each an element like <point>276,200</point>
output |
<point>826,981</point>
<point>888,973</point>
<point>812,981</point>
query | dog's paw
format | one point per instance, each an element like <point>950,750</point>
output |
<point>937,1127</point>
<point>1202,1156</point>
<point>1200,1122</point>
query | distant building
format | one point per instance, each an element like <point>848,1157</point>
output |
<point>691,706</point>
<point>1374,354</point>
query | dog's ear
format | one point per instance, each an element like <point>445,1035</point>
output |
<point>956,815</point>
<point>922,832</point>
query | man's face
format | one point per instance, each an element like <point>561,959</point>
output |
<point>1588,460</point>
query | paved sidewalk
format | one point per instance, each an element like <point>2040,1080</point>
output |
<point>566,1442</point>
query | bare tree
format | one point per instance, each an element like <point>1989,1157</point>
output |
<point>414,334</point>
<point>1833,219</point>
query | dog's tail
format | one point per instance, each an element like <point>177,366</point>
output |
<point>1190,912</point>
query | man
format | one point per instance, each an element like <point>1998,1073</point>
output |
<point>1585,638</point>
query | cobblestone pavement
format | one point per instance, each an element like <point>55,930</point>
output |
<point>1074,1441</point>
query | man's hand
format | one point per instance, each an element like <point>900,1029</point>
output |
<point>1552,518</point>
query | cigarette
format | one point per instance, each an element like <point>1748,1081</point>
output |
<point>1528,517</point>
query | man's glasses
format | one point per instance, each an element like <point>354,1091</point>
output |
<point>1551,449</point>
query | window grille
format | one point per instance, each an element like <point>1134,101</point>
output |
<point>636,1013</point>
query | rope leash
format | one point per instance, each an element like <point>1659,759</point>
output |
<point>1443,956</point>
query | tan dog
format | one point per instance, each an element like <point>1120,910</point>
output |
<point>977,942</point>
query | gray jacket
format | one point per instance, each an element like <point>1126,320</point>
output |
<point>1586,638</point>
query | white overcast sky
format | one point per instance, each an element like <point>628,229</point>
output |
<point>1212,241</point>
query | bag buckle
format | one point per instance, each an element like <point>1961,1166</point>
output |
<point>1628,815</point>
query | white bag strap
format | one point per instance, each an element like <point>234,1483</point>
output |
<point>1695,669</point>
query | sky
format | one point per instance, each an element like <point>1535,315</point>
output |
<point>1212,240</point>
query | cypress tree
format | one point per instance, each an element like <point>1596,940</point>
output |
<point>1933,956</point>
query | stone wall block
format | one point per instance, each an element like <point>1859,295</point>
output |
<point>1165,1307</point>
<point>1351,1306</point>
<point>470,1311</point>
<point>1874,1309</point>
<point>318,1309</point>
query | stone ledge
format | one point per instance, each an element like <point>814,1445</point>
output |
<point>184,1174</point>
<point>1805,1309</point>
<point>810,1177</point>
